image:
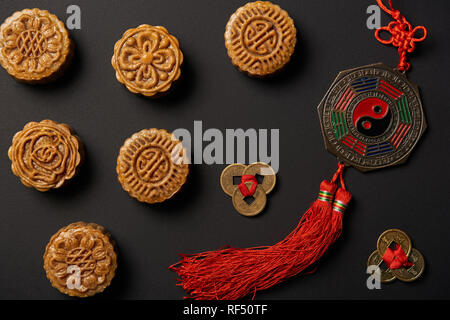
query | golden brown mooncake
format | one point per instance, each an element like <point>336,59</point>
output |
<point>80,259</point>
<point>147,60</point>
<point>152,165</point>
<point>46,154</point>
<point>260,38</point>
<point>35,46</point>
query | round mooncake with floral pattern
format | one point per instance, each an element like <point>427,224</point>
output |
<point>80,259</point>
<point>34,46</point>
<point>147,60</point>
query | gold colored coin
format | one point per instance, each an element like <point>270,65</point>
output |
<point>263,169</point>
<point>414,272</point>
<point>385,275</point>
<point>393,235</point>
<point>253,208</point>
<point>226,178</point>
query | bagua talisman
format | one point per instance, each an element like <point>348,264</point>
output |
<point>371,118</point>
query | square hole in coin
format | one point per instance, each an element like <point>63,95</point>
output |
<point>249,200</point>
<point>259,178</point>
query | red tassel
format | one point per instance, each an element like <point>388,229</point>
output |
<point>233,273</point>
<point>341,200</point>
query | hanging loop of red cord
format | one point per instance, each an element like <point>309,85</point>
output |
<point>402,35</point>
<point>339,173</point>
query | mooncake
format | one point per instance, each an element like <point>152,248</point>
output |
<point>260,38</point>
<point>80,259</point>
<point>45,155</point>
<point>152,165</point>
<point>35,46</point>
<point>147,60</point>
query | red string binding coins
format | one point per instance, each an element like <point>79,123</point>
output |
<point>396,259</point>
<point>248,192</point>
<point>402,35</point>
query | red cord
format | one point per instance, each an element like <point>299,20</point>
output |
<point>402,35</point>
<point>248,192</point>
<point>339,173</point>
<point>396,259</point>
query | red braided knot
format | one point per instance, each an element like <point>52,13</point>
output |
<point>402,35</point>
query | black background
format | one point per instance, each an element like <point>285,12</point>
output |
<point>332,36</point>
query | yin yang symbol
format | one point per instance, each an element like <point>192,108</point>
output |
<point>371,117</point>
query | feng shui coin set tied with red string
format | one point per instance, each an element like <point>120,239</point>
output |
<point>371,117</point>
<point>249,194</point>
<point>395,258</point>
